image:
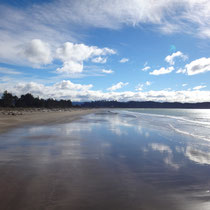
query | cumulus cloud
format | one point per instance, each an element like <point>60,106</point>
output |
<point>162,70</point>
<point>117,86</point>
<point>37,52</point>
<point>198,66</point>
<point>170,58</point>
<point>199,87</point>
<point>71,67</point>
<point>146,68</point>
<point>73,56</point>
<point>107,71</point>
<point>124,60</point>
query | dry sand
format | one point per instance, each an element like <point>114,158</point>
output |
<point>12,118</point>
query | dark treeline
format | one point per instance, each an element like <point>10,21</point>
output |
<point>28,100</point>
<point>145,104</point>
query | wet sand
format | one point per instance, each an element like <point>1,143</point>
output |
<point>11,118</point>
<point>101,161</point>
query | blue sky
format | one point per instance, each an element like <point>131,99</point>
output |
<point>113,50</point>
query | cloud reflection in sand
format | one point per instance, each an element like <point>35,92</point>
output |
<point>197,155</point>
<point>164,149</point>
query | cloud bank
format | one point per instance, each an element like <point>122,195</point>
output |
<point>78,92</point>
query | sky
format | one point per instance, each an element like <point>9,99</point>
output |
<point>84,50</point>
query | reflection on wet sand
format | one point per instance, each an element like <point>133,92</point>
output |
<point>103,161</point>
<point>169,155</point>
<point>197,155</point>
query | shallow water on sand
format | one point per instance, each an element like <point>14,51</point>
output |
<point>109,160</point>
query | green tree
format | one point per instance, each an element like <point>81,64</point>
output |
<point>7,99</point>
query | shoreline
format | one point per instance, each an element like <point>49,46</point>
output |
<point>14,118</point>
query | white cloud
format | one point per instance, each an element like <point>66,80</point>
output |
<point>73,56</point>
<point>61,90</point>
<point>66,84</point>
<point>79,92</point>
<point>80,52</point>
<point>170,58</point>
<point>119,85</point>
<point>71,67</point>
<point>183,85</point>
<point>181,71</point>
<point>199,87</point>
<point>169,16</point>
<point>124,60</point>
<point>99,60</point>
<point>146,68</point>
<point>5,79</point>
<point>162,70</point>
<point>4,70</point>
<point>198,66</point>
<point>55,21</point>
<point>148,83</point>
<point>107,71</point>
<point>140,87</point>
<point>205,32</point>
<point>170,28</point>
<point>37,52</point>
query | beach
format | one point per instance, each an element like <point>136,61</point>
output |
<point>109,159</point>
<point>105,105</point>
<point>17,117</point>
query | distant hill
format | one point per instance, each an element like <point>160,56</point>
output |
<point>145,104</point>
<point>75,103</point>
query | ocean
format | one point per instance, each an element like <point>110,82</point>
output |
<point>191,122</point>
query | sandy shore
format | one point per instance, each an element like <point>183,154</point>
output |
<point>106,161</point>
<point>12,118</point>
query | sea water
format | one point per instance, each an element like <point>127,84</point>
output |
<point>192,122</point>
